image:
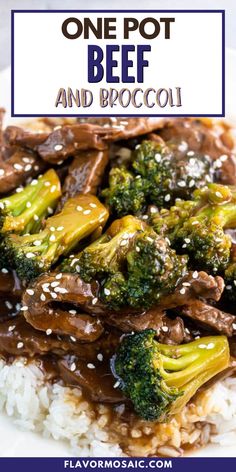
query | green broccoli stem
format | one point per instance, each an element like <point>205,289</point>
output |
<point>24,211</point>
<point>34,254</point>
<point>194,360</point>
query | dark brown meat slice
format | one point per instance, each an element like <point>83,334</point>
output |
<point>95,379</point>
<point>84,174</point>
<point>194,285</point>
<point>20,166</point>
<point>210,316</point>
<point>168,331</point>
<point>68,288</point>
<point>2,113</point>
<point>68,140</point>
<point>206,137</point>
<point>17,337</point>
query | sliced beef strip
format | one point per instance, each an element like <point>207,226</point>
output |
<point>69,288</point>
<point>192,286</point>
<point>168,331</point>
<point>18,168</point>
<point>68,140</point>
<point>210,316</point>
<point>206,137</point>
<point>84,174</point>
<point>95,379</point>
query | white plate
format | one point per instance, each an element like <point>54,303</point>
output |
<point>16,443</point>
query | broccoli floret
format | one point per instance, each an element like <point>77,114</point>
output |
<point>160,379</point>
<point>24,211</point>
<point>198,227</point>
<point>134,266</point>
<point>34,254</point>
<point>157,174</point>
<point>126,193</point>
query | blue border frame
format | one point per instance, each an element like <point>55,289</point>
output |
<point>16,115</point>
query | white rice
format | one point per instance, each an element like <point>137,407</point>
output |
<point>63,414</point>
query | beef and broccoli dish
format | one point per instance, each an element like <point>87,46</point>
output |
<point>118,257</point>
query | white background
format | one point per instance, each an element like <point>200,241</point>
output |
<point>46,61</point>
<point>7,5</point>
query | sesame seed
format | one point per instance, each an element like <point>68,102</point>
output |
<point>116,385</point>
<point>52,228</point>
<point>60,228</point>
<point>55,284</point>
<point>2,205</point>
<point>191,183</point>
<point>165,329</point>
<point>73,312</point>
<point>19,190</point>
<point>37,243</point>
<point>4,271</point>
<point>137,249</point>
<point>228,287</point>
<point>18,167</point>
<point>202,346</point>
<point>19,345</point>
<point>210,346</point>
<point>34,182</point>
<point>30,255</point>
<point>11,328</point>
<point>53,188</point>
<point>182,291</point>
<point>58,276</point>
<point>28,167</point>
<point>181,183</point>
<point>28,205</point>
<point>2,171</point>
<point>36,167</point>
<point>190,153</point>
<point>24,308</point>
<point>234,326</point>
<point>58,147</point>
<point>91,366</point>
<point>184,245</point>
<point>186,284</point>
<point>26,160</point>
<point>61,290</point>
<point>53,295</point>
<point>30,291</point>
<point>195,274</point>
<point>42,297</point>
<point>73,367</point>
<point>167,198</point>
<point>8,305</point>
<point>157,157</point>
<point>153,210</point>
<point>73,339</point>
<point>86,212</point>
<point>195,222</point>
<point>107,291</point>
<point>77,268</point>
<point>50,210</point>
<point>79,208</point>
<point>145,217</point>
<point>47,184</point>
<point>36,218</point>
<point>93,205</point>
<point>52,238</point>
<point>123,242</point>
<point>94,301</point>
<point>48,332</point>
<point>100,357</point>
<point>187,331</point>
<point>187,240</point>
